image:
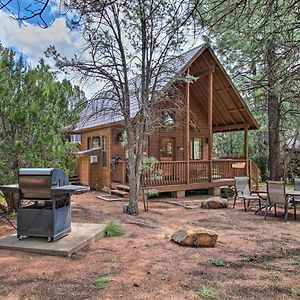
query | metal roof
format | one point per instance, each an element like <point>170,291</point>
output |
<point>105,109</point>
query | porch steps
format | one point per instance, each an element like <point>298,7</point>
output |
<point>74,180</point>
<point>122,187</point>
<point>121,193</point>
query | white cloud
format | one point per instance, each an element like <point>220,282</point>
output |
<point>33,41</point>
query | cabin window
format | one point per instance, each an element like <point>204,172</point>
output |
<point>96,142</point>
<point>196,148</point>
<point>104,151</point>
<point>89,143</point>
<point>76,138</point>
<point>167,148</point>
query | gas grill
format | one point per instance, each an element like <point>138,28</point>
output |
<point>44,205</point>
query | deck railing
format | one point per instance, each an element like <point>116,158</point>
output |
<point>228,168</point>
<point>174,172</point>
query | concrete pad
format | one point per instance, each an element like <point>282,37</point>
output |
<point>82,235</point>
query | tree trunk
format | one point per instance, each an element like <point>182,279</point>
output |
<point>134,176</point>
<point>273,115</point>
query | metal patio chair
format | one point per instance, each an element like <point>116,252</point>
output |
<point>277,196</point>
<point>243,192</point>
<point>297,188</point>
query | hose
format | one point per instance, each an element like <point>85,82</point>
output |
<point>8,220</point>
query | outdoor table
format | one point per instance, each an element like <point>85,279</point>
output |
<point>293,193</point>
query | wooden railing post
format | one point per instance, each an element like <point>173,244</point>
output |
<point>187,129</point>
<point>209,118</point>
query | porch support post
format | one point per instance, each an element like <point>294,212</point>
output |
<point>187,129</point>
<point>246,149</point>
<point>210,120</point>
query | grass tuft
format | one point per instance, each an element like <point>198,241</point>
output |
<point>295,292</point>
<point>218,262</point>
<point>113,228</point>
<point>296,262</point>
<point>102,281</point>
<point>207,292</point>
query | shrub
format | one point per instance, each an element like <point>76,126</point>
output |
<point>102,281</point>
<point>207,292</point>
<point>218,262</point>
<point>113,228</point>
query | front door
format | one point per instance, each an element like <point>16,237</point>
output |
<point>167,146</point>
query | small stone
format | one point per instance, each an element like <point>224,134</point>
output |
<point>191,236</point>
<point>214,203</point>
<point>136,285</point>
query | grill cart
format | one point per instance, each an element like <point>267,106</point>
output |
<point>44,205</point>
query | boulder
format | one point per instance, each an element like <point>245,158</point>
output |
<point>191,236</point>
<point>214,203</point>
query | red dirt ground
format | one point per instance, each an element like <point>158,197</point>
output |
<point>261,258</point>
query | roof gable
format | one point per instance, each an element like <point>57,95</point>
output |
<point>230,112</point>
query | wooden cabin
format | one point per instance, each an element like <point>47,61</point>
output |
<point>184,153</point>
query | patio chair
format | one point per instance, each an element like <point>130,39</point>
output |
<point>297,188</point>
<point>242,191</point>
<point>277,196</point>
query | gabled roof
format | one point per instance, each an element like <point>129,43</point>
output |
<point>197,60</point>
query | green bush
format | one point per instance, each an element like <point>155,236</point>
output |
<point>218,262</point>
<point>102,281</point>
<point>113,228</point>
<point>207,292</point>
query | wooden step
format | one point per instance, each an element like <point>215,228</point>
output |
<point>120,192</point>
<point>74,180</point>
<point>122,187</point>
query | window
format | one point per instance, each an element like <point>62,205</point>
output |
<point>93,142</point>
<point>167,147</point>
<point>76,138</point>
<point>196,148</point>
<point>104,151</point>
<point>93,159</point>
<point>96,142</point>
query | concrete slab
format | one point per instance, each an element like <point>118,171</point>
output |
<point>82,235</point>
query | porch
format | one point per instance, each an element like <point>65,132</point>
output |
<point>171,176</point>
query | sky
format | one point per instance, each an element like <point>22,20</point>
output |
<point>32,40</point>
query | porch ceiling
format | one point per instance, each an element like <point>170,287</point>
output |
<point>230,112</point>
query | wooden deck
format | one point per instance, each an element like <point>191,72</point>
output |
<point>193,186</point>
<point>170,176</point>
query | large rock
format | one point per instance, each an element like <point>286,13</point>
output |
<point>195,237</point>
<point>214,203</point>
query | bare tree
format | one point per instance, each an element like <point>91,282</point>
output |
<point>24,11</point>
<point>129,52</point>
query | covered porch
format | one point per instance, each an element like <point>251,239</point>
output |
<point>212,105</point>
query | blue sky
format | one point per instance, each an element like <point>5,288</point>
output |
<point>24,8</point>
<point>32,40</point>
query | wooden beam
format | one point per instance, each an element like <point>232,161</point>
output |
<point>204,72</point>
<point>246,151</point>
<point>210,120</point>
<point>187,129</point>
<point>223,89</point>
<point>234,110</point>
<point>231,127</point>
<point>204,92</point>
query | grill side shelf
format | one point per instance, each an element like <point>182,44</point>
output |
<point>10,188</point>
